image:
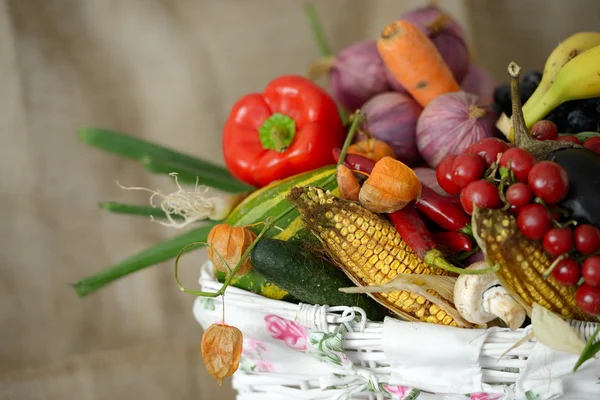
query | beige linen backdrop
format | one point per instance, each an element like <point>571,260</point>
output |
<point>166,71</point>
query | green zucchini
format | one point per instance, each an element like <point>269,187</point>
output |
<point>271,201</point>
<point>307,277</point>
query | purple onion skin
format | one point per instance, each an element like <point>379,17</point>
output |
<point>392,117</point>
<point>448,125</point>
<point>357,75</point>
<point>476,257</point>
<point>449,41</point>
<point>428,178</point>
<point>478,81</point>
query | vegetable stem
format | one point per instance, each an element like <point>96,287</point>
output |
<point>151,154</point>
<point>590,348</point>
<point>133,209</point>
<point>146,258</point>
<point>317,29</point>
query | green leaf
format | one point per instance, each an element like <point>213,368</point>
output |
<point>133,209</point>
<point>189,176</point>
<point>154,255</point>
<point>140,150</point>
<point>317,29</point>
<point>590,349</point>
<point>277,132</point>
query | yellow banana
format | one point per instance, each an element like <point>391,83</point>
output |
<point>577,79</point>
<point>568,49</point>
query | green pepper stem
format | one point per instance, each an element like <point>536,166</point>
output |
<point>434,258</point>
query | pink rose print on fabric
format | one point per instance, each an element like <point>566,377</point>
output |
<point>264,366</point>
<point>288,331</point>
<point>486,396</point>
<point>399,391</point>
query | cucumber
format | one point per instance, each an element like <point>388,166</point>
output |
<point>307,277</point>
<point>271,201</point>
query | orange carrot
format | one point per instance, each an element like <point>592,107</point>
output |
<point>415,62</point>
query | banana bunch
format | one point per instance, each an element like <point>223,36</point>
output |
<point>571,72</point>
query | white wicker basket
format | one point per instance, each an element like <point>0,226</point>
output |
<point>287,356</point>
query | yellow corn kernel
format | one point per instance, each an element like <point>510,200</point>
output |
<point>522,262</point>
<point>369,249</point>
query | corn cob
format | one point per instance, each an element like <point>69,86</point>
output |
<point>369,250</point>
<point>522,262</point>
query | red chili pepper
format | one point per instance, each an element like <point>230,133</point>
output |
<point>441,210</point>
<point>436,207</point>
<point>453,241</point>
<point>289,128</point>
<point>413,231</point>
<point>355,162</point>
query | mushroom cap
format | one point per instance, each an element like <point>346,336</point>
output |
<point>468,294</point>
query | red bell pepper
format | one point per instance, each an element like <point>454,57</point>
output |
<point>290,128</point>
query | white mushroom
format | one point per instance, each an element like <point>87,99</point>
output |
<point>481,299</point>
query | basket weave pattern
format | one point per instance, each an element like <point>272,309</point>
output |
<point>314,367</point>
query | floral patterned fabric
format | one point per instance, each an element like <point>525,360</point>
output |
<point>277,345</point>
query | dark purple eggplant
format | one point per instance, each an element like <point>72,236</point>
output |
<point>583,168</point>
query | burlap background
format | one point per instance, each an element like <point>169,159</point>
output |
<point>167,71</point>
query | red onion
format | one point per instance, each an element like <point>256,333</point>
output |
<point>451,123</point>
<point>428,178</point>
<point>392,118</point>
<point>478,81</point>
<point>447,36</point>
<point>357,74</point>
<point>476,257</point>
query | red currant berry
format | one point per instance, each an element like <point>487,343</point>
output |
<point>569,138</point>
<point>591,271</point>
<point>520,162</point>
<point>488,149</point>
<point>593,144</point>
<point>567,272</point>
<point>466,168</point>
<point>443,173</point>
<point>588,299</point>
<point>558,241</point>
<point>519,194</point>
<point>534,221</point>
<point>587,239</point>
<point>549,181</point>
<point>544,130</point>
<point>480,193</point>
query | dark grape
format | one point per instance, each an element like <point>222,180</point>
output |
<point>526,90</point>
<point>579,121</point>
<point>502,98</point>
<point>532,78</point>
